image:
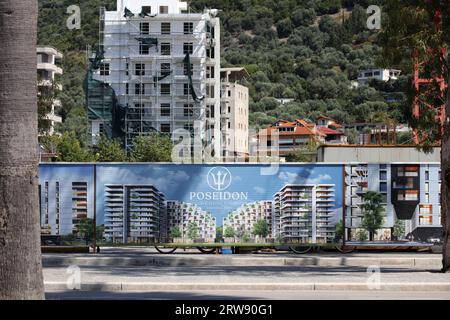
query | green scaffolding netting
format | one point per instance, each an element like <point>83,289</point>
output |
<point>128,13</point>
<point>187,61</point>
<point>102,105</point>
<point>144,14</point>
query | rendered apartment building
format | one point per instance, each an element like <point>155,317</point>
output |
<point>411,194</point>
<point>47,68</point>
<point>64,200</point>
<point>234,114</point>
<point>162,63</point>
<point>181,214</point>
<point>304,213</point>
<point>243,218</point>
<point>133,213</point>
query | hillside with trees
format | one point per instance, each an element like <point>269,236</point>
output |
<point>309,51</point>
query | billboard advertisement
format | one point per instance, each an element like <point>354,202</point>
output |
<point>148,203</point>
<point>242,203</point>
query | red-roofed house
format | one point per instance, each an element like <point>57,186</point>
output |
<point>292,136</point>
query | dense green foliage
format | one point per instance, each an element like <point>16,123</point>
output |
<point>261,228</point>
<point>153,148</point>
<point>306,50</point>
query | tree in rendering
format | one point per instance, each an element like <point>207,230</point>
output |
<point>175,232</point>
<point>20,247</point>
<point>339,230</point>
<point>229,232</point>
<point>399,229</point>
<point>420,28</point>
<point>192,230</point>
<point>261,228</point>
<point>373,212</point>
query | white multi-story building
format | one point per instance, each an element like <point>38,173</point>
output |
<point>379,74</point>
<point>133,213</point>
<point>47,59</point>
<point>181,214</point>
<point>304,213</point>
<point>234,114</point>
<point>163,63</point>
<point>243,218</point>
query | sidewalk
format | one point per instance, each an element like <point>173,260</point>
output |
<point>110,272</point>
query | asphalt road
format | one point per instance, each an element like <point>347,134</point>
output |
<point>246,295</point>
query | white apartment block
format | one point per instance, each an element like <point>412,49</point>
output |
<point>181,214</point>
<point>304,213</point>
<point>145,62</point>
<point>234,114</point>
<point>133,213</point>
<point>47,59</point>
<point>243,218</point>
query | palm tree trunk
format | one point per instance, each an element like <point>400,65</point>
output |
<point>445,187</point>
<point>20,255</point>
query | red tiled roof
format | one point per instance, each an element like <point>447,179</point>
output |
<point>328,131</point>
<point>301,128</point>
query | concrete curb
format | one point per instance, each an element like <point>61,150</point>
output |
<point>125,287</point>
<point>174,261</point>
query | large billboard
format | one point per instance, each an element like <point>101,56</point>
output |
<point>138,203</point>
<point>241,203</point>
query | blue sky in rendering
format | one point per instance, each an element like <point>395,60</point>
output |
<point>178,182</point>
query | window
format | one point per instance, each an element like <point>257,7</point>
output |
<point>140,69</point>
<point>101,128</point>
<point>127,66</point>
<point>165,88</point>
<point>210,53</point>
<point>165,109</point>
<point>186,89</point>
<point>210,111</point>
<point>104,69</point>
<point>127,88</point>
<point>425,215</point>
<point>147,9</point>
<point>139,88</point>
<point>144,49</point>
<point>383,175</point>
<point>188,47</point>
<point>210,72</point>
<point>427,175</point>
<point>189,127</point>
<point>165,69</point>
<point>163,9</point>
<point>188,28</point>
<point>165,49</point>
<point>188,110</point>
<point>210,91</point>
<point>427,187</point>
<point>144,27</point>
<point>383,187</point>
<point>165,28</point>
<point>408,195</point>
<point>408,171</point>
<point>165,127</point>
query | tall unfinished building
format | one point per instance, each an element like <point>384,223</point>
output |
<point>157,69</point>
